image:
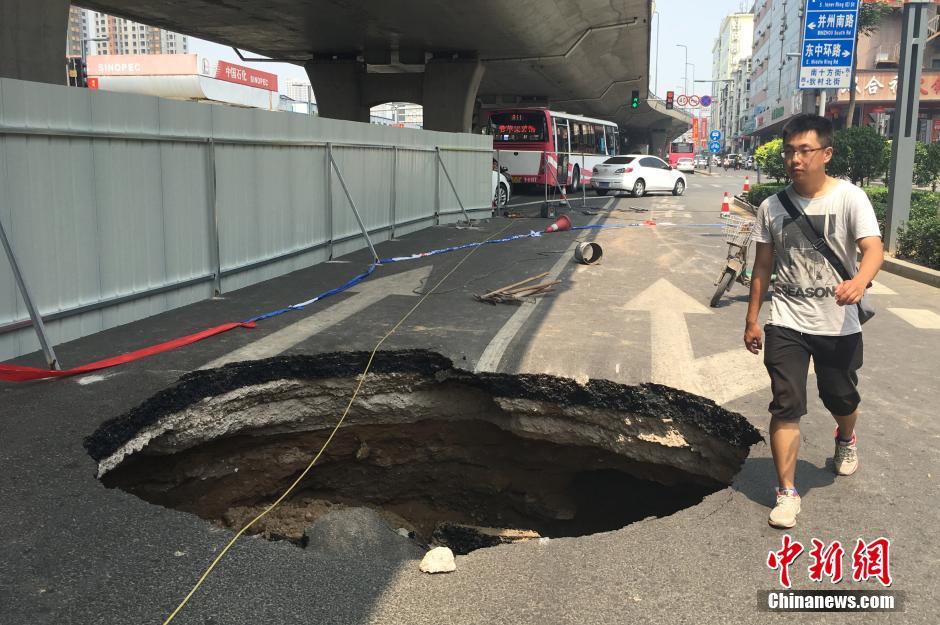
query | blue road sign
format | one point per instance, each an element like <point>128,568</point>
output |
<point>706,100</point>
<point>828,43</point>
<point>714,147</point>
<point>715,135</point>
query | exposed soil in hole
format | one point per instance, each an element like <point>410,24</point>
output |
<point>423,474</point>
<point>425,444</point>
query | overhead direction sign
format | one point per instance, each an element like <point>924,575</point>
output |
<point>828,46</point>
<point>715,135</point>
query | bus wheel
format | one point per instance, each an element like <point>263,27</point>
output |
<point>576,180</point>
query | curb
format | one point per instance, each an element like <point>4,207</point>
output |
<point>924,275</point>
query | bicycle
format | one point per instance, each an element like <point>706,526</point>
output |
<point>738,232</point>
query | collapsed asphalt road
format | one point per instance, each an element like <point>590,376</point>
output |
<point>425,441</point>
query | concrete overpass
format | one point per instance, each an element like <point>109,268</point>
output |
<point>450,56</point>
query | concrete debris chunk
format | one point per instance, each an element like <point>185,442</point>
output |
<point>438,560</point>
<point>361,532</point>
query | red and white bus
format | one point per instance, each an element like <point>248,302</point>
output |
<point>680,149</point>
<point>528,142</point>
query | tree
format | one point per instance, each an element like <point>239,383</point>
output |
<point>770,161</point>
<point>858,153</point>
<point>927,164</point>
<point>870,15</point>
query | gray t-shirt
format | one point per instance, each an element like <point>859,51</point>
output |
<point>804,292</point>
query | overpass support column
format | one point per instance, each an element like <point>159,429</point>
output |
<point>33,37</point>
<point>338,87</point>
<point>450,92</point>
<point>658,143</point>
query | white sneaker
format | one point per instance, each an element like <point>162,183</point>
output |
<point>788,506</point>
<point>845,458</point>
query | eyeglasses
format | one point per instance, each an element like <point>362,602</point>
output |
<point>803,152</point>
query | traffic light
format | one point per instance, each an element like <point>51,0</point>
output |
<point>670,97</point>
<point>635,100</point>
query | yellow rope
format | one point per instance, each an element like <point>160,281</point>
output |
<point>329,439</point>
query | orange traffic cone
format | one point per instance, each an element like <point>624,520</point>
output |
<point>561,224</point>
<point>725,205</point>
<point>747,184</point>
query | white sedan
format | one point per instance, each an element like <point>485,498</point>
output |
<point>686,165</point>
<point>638,174</point>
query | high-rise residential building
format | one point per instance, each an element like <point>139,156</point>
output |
<point>299,90</point>
<point>127,37</point>
<point>731,55</point>
<point>78,31</point>
<point>775,97</point>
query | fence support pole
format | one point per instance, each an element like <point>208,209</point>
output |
<point>329,196</point>
<point>215,251</point>
<point>440,161</point>
<point>437,187</point>
<point>362,226</point>
<point>47,350</point>
<point>583,187</point>
<point>393,204</point>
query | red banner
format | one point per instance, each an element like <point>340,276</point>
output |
<point>695,130</point>
<point>230,72</point>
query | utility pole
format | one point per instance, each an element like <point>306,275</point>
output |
<point>685,69</point>
<point>905,118</point>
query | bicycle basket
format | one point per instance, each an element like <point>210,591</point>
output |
<point>738,230</point>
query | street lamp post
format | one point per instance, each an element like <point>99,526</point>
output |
<point>685,69</point>
<point>84,52</point>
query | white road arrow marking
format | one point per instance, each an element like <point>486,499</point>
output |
<point>367,294</point>
<point>721,377</point>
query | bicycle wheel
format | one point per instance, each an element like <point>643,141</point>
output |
<point>723,285</point>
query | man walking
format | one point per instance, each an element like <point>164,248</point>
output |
<point>813,312</point>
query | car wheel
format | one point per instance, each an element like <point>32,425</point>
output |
<point>502,195</point>
<point>601,191</point>
<point>679,189</point>
<point>639,188</point>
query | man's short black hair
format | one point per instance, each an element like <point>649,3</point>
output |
<point>805,123</point>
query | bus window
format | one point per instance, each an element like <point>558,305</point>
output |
<point>561,136</point>
<point>600,139</point>
<point>587,139</point>
<point>575,136</point>
<point>611,140</point>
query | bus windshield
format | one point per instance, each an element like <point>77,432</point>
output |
<point>680,147</point>
<point>519,126</point>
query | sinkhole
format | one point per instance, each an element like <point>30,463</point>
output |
<point>453,457</point>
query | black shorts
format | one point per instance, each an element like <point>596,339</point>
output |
<point>835,358</point>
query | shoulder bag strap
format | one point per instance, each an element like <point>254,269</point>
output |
<point>818,242</point>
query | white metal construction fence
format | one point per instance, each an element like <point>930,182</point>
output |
<point>118,207</point>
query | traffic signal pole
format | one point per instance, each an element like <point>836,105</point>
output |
<point>904,126</point>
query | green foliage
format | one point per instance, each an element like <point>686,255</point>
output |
<point>919,238</point>
<point>760,192</point>
<point>919,241</point>
<point>927,164</point>
<point>770,162</point>
<point>870,15</point>
<point>858,154</point>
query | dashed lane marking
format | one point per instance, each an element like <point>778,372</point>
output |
<point>918,317</point>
